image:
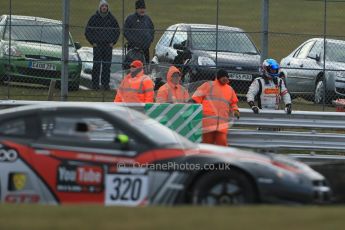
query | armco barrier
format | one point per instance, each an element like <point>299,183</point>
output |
<point>183,118</point>
<point>274,130</point>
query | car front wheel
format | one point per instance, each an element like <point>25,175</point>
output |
<point>74,85</point>
<point>224,188</point>
<point>321,94</point>
<point>3,79</point>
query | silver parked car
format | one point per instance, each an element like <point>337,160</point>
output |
<point>311,75</point>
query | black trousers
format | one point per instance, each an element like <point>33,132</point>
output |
<point>147,55</point>
<point>102,55</point>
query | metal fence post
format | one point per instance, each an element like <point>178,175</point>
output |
<point>10,44</point>
<point>264,26</point>
<point>123,31</point>
<point>65,41</point>
<point>324,55</point>
<point>217,25</point>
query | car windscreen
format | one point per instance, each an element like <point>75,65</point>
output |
<point>34,31</point>
<point>335,52</point>
<point>228,41</point>
<point>155,131</point>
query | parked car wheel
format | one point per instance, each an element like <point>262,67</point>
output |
<point>320,93</point>
<point>2,79</point>
<point>224,188</point>
<point>72,86</point>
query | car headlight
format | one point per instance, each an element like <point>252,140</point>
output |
<point>12,51</point>
<point>206,61</point>
<point>340,74</point>
<point>73,57</point>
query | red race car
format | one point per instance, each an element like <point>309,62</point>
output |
<point>68,153</point>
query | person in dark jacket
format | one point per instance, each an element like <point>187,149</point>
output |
<point>102,31</point>
<point>139,29</point>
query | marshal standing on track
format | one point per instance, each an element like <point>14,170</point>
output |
<point>219,102</point>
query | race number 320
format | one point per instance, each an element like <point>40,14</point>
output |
<point>126,190</point>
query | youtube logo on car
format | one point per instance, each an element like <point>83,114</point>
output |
<point>89,175</point>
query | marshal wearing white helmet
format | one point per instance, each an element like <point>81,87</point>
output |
<point>269,89</point>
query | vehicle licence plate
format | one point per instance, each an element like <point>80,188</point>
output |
<point>240,76</point>
<point>40,65</point>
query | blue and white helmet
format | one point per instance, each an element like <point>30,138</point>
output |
<point>270,68</point>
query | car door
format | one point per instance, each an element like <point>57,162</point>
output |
<point>298,79</point>
<point>162,47</point>
<point>310,67</point>
<point>180,38</point>
<point>18,182</point>
<point>313,66</point>
<point>77,151</point>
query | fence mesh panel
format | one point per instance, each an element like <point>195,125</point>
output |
<point>184,35</point>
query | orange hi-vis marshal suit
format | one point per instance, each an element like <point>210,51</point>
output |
<point>171,93</point>
<point>138,89</point>
<point>218,102</point>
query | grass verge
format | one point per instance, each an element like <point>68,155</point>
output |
<point>97,217</point>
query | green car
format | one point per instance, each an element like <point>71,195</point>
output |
<point>31,51</point>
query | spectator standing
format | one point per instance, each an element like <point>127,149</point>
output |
<point>139,29</point>
<point>102,32</point>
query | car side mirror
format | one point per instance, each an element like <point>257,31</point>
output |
<point>317,57</point>
<point>77,45</point>
<point>179,47</point>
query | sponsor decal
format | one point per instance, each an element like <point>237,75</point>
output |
<point>22,198</point>
<point>271,91</point>
<point>71,178</point>
<point>17,181</point>
<point>7,154</point>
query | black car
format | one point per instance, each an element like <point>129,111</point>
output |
<point>194,49</point>
<point>60,153</point>
<point>311,75</point>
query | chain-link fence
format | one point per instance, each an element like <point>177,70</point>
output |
<point>198,37</point>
